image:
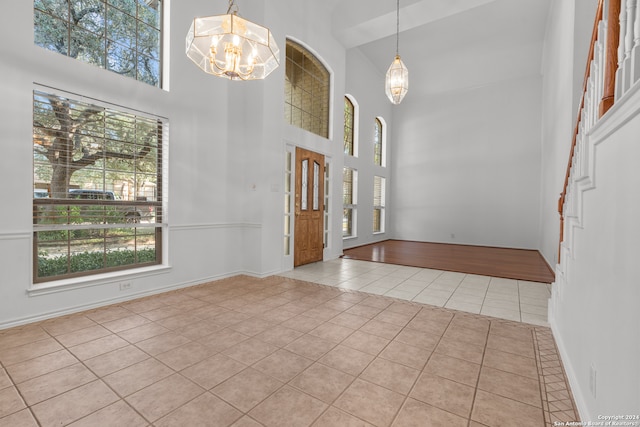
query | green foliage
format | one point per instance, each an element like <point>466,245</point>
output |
<point>88,261</point>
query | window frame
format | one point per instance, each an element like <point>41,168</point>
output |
<point>105,202</point>
<point>379,203</point>
<point>379,142</point>
<point>107,39</point>
<point>350,205</point>
<point>350,127</point>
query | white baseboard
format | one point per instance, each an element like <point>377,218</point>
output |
<point>578,397</point>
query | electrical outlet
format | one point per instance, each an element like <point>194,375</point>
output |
<point>592,379</point>
<point>125,286</point>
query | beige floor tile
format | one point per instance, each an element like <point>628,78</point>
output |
<point>418,414</point>
<point>205,410</point>
<point>21,418</point>
<point>288,408</point>
<point>12,355</point>
<point>367,343</point>
<point>41,365</point>
<point>418,338</point>
<point>97,347</point>
<point>74,404</point>
<point>283,365</point>
<point>223,339</point>
<point>455,304</point>
<point>466,335</point>
<point>138,376</point>
<point>162,312</point>
<point>250,351</point>
<point>348,320</point>
<point>21,336</point>
<point>111,362</point>
<point>460,350</point>
<point>213,370</point>
<point>279,335</point>
<point>534,319</point>
<point>408,355</point>
<point>445,394</point>
<point>512,386</point>
<point>364,310</point>
<point>162,397</point>
<point>494,410</point>
<point>333,417</point>
<point>162,343</point>
<point>347,359</point>
<point>390,375</point>
<point>510,362</point>
<point>310,346</point>
<point>453,369</point>
<point>322,382</point>
<point>381,329</point>
<point>184,356</point>
<point>5,381</point>
<point>10,401</point>
<point>201,329</point>
<point>246,389</point>
<point>54,383</point>
<point>66,324</point>
<point>331,332</point>
<point>502,313</point>
<point>124,323</point>
<point>370,402</point>
<point>83,335</point>
<point>509,345</point>
<point>107,314</point>
<point>252,326</point>
<point>143,332</point>
<point>246,421</point>
<point>302,323</point>
<point>425,298</point>
<point>116,414</point>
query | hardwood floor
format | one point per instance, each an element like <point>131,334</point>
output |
<point>517,264</point>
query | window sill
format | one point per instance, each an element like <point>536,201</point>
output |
<point>349,237</point>
<point>64,285</point>
<point>378,232</point>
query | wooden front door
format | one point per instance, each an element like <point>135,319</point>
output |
<point>309,207</point>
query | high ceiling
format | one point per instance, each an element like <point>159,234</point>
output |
<point>447,45</point>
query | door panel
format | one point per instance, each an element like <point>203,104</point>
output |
<point>309,207</point>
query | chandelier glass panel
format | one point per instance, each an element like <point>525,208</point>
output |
<point>232,47</point>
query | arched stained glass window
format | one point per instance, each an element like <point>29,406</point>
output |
<point>349,113</point>
<point>306,90</point>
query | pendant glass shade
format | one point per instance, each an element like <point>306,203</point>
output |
<point>232,47</point>
<point>397,81</point>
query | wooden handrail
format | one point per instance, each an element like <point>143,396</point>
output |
<point>609,63</point>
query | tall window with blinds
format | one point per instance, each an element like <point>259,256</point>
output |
<point>349,202</point>
<point>378,203</point>
<point>97,202</point>
<point>123,36</point>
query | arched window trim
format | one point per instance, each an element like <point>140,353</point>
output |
<point>331,78</point>
<point>356,123</point>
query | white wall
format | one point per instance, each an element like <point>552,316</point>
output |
<point>594,304</point>
<point>366,85</point>
<point>226,157</point>
<point>466,165</point>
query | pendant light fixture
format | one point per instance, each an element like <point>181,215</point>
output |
<point>397,81</point>
<point>231,47</point>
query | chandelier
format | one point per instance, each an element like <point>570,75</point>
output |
<point>397,81</point>
<point>232,47</point>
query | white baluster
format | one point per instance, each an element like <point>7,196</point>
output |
<point>635,52</point>
<point>621,49</point>
<point>628,44</point>
<point>602,31</point>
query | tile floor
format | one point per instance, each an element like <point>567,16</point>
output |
<point>279,352</point>
<point>516,300</point>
